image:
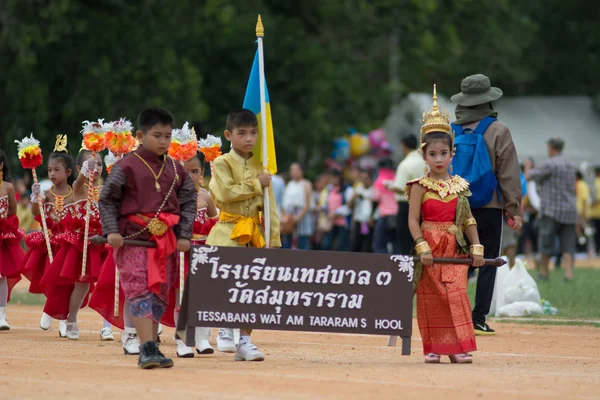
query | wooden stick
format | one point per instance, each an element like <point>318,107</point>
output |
<point>497,262</point>
<point>97,240</point>
<point>116,303</point>
<point>44,225</point>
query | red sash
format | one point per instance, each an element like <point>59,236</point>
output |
<point>166,244</point>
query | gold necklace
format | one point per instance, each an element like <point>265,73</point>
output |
<point>94,192</point>
<point>59,201</point>
<point>156,185</point>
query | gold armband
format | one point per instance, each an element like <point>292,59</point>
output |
<point>477,250</point>
<point>469,222</point>
<point>422,248</point>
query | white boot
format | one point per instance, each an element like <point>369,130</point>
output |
<point>72,331</point>
<point>45,322</point>
<point>62,328</point>
<point>183,350</point>
<point>225,342</point>
<point>3,322</point>
<point>202,341</point>
<point>130,341</point>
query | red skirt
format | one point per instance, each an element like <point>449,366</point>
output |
<point>11,257</point>
<point>102,299</point>
<point>103,296</point>
<point>60,277</point>
<point>443,308</point>
<point>36,259</point>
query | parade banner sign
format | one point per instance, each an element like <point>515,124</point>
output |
<point>298,290</point>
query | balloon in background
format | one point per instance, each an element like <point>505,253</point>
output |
<point>376,137</point>
<point>359,144</point>
<point>341,149</point>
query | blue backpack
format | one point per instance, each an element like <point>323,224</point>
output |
<point>472,162</point>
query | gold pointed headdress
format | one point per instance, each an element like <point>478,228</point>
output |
<point>61,144</point>
<point>435,120</point>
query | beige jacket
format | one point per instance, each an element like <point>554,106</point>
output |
<point>505,164</point>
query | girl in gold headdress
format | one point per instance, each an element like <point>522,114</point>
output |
<point>443,309</point>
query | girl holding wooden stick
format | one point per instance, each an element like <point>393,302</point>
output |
<point>441,200</point>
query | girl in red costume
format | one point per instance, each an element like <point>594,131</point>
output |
<point>63,283</point>
<point>443,309</point>
<point>206,218</point>
<point>58,201</point>
<point>11,253</point>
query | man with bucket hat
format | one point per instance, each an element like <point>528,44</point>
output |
<point>487,158</point>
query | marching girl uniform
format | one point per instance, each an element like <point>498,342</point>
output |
<point>64,286</point>
<point>11,253</point>
<point>203,223</point>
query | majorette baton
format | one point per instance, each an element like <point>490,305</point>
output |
<point>93,140</point>
<point>184,146</point>
<point>30,155</point>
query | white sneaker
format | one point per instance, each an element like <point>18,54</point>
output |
<point>106,335</point>
<point>202,341</point>
<point>45,322</point>
<point>248,352</point>
<point>225,343</point>
<point>183,350</point>
<point>62,328</point>
<point>3,322</point>
<point>130,341</point>
<point>71,330</point>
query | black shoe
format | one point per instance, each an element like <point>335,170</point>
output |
<point>484,330</point>
<point>163,361</point>
<point>149,357</point>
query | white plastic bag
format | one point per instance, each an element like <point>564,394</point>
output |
<point>520,309</point>
<point>498,296</point>
<point>519,286</point>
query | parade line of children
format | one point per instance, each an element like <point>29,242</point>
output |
<point>148,195</point>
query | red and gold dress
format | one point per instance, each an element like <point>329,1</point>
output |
<point>36,260</point>
<point>443,308</point>
<point>60,277</point>
<point>11,253</point>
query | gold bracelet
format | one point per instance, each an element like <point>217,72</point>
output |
<point>422,248</point>
<point>469,222</point>
<point>419,240</point>
<point>477,250</point>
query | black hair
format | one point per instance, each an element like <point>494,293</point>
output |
<point>67,161</point>
<point>409,141</point>
<point>81,157</point>
<point>386,163</point>
<point>337,174</point>
<point>5,170</point>
<point>578,175</point>
<point>556,143</point>
<point>154,116</point>
<point>240,117</point>
<point>200,156</point>
<point>437,136</point>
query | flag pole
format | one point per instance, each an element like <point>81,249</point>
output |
<point>260,32</point>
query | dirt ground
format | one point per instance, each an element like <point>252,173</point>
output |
<point>522,361</point>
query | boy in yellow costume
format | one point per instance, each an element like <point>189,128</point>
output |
<point>237,189</point>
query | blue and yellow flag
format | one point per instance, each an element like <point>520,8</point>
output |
<point>252,103</point>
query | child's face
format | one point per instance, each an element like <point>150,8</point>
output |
<point>243,138</point>
<point>365,179</point>
<point>438,156</point>
<point>99,165</point>
<point>157,139</point>
<point>57,172</point>
<point>193,168</point>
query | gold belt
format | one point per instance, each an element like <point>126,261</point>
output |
<point>440,226</point>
